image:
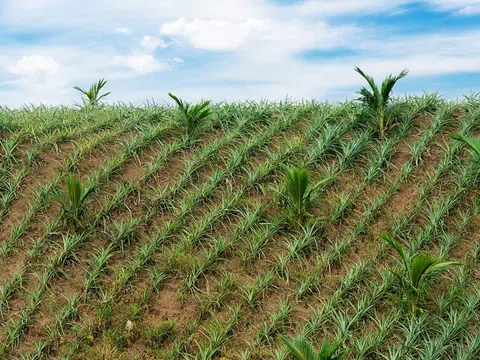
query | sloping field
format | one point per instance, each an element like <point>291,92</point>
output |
<point>185,248</point>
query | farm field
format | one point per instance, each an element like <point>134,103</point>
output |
<point>187,246</point>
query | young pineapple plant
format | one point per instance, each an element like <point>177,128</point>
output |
<point>191,115</point>
<point>73,201</point>
<point>416,269</point>
<point>378,100</point>
<point>298,195</point>
<point>92,95</point>
<point>6,125</point>
<point>300,349</point>
<point>474,145</point>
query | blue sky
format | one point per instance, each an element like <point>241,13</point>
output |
<point>234,49</point>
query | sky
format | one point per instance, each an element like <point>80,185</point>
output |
<point>233,50</point>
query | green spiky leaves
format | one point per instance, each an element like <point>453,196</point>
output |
<point>297,196</point>
<point>191,115</point>
<point>301,349</point>
<point>92,95</point>
<point>474,145</point>
<point>378,99</point>
<point>72,201</point>
<point>415,271</point>
<point>299,192</point>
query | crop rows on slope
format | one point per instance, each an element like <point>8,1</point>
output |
<point>236,159</point>
<point>70,243</point>
<point>209,234</point>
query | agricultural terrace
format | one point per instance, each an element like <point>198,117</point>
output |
<point>123,236</point>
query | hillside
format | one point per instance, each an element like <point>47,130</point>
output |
<point>185,246</point>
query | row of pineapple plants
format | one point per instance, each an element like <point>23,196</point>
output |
<point>255,176</point>
<point>260,282</point>
<point>148,169</point>
<point>72,212</point>
<point>321,316</point>
<point>148,250</point>
<point>210,259</point>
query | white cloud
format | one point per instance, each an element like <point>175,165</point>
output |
<point>176,59</point>
<point>462,7</point>
<point>150,43</point>
<point>216,34</point>
<point>141,64</point>
<point>470,10</point>
<point>37,67</point>
<point>325,8</point>
<point>51,82</point>
<point>123,30</point>
<point>142,61</point>
<point>256,47</point>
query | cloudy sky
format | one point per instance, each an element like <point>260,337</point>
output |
<point>234,49</point>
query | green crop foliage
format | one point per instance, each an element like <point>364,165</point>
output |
<point>92,95</point>
<point>8,147</point>
<point>219,250</point>
<point>474,145</point>
<point>415,271</point>
<point>72,201</point>
<point>298,196</point>
<point>378,99</point>
<point>191,115</point>
<point>160,332</point>
<point>301,349</point>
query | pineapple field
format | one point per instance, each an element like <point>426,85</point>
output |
<point>244,230</point>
